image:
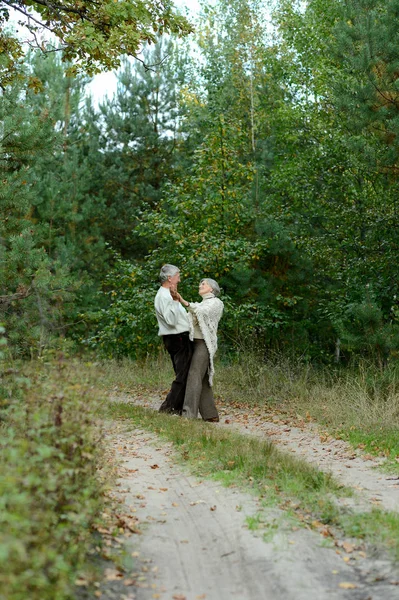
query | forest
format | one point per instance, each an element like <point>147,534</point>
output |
<point>254,142</point>
<point>260,150</point>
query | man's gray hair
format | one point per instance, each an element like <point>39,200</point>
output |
<point>213,284</point>
<point>168,271</point>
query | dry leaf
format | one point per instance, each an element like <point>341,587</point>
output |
<point>213,507</point>
<point>200,597</point>
<point>317,524</point>
<point>345,585</point>
<point>179,597</point>
<point>174,504</point>
<point>154,467</point>
<point>348,547</point>
<point>113,575</point>
<point>128,582</point>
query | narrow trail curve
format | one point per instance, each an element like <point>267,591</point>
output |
<point>195,544</point>
<point>305,440</point>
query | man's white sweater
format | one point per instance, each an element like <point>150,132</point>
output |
<point>171,316</point>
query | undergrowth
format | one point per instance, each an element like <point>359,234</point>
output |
<point>51,485</point>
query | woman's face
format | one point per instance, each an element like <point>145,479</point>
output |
<point>204,288</point>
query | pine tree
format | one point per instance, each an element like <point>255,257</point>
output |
<point>138,135</point>
<point>32,286</point>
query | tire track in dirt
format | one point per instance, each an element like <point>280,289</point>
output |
<point>304,439</point>
<point>195,543</point>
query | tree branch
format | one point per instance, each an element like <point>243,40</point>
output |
<point>19,295</point>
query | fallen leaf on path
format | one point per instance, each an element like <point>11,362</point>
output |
<point>200,597</point>
<point>317,524</point>
<point>213,507</point>
<point>348,547</point>
<point>163,489</point>
<point>346,558</point>
<point>179,597</point>
<point>345,585</point>
<point>113,575</point>
<point>175,504</point>
<point>81,581</point>
<point>154,467</point>
<point>128,582</point>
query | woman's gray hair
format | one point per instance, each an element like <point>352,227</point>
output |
<point>213,284</point>
<point>168,271</point>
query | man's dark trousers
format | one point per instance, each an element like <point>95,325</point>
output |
<point>180,350</point>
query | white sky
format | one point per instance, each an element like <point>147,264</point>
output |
<point>104,84</point>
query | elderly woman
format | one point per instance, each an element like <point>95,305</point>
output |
<point>204,318</point>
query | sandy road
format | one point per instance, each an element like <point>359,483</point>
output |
<point>196,545</point>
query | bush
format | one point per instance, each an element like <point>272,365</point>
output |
<point>51,491</point>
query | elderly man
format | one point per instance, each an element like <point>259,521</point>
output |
<point>174,329</point>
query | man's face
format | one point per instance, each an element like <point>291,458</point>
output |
<point>175,279</point>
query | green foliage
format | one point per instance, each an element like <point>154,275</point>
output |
<point>138,146</point>
<point>3,341</point>
<point>93,36</point>
<point>33,286</point>
<point>51,489</point>
<point>363,331</point>
<point>127,327</point>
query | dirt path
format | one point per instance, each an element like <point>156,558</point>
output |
<point>195,543</point>
<point>304,439</point>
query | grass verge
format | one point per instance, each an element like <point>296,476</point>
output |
<point>359,405</point>
<point>277,477</point>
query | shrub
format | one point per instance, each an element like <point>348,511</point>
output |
<point>51,491</point>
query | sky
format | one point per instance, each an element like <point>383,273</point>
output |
<point>104,84</point>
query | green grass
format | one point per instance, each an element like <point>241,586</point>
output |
<point>377,441</point>
<point>279,479</point>
<point>360,405</point>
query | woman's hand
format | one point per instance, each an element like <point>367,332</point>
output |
<point>175,294</point>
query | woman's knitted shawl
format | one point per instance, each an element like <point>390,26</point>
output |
<point>208,313</point>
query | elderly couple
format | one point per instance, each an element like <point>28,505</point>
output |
<point>191,341</point>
